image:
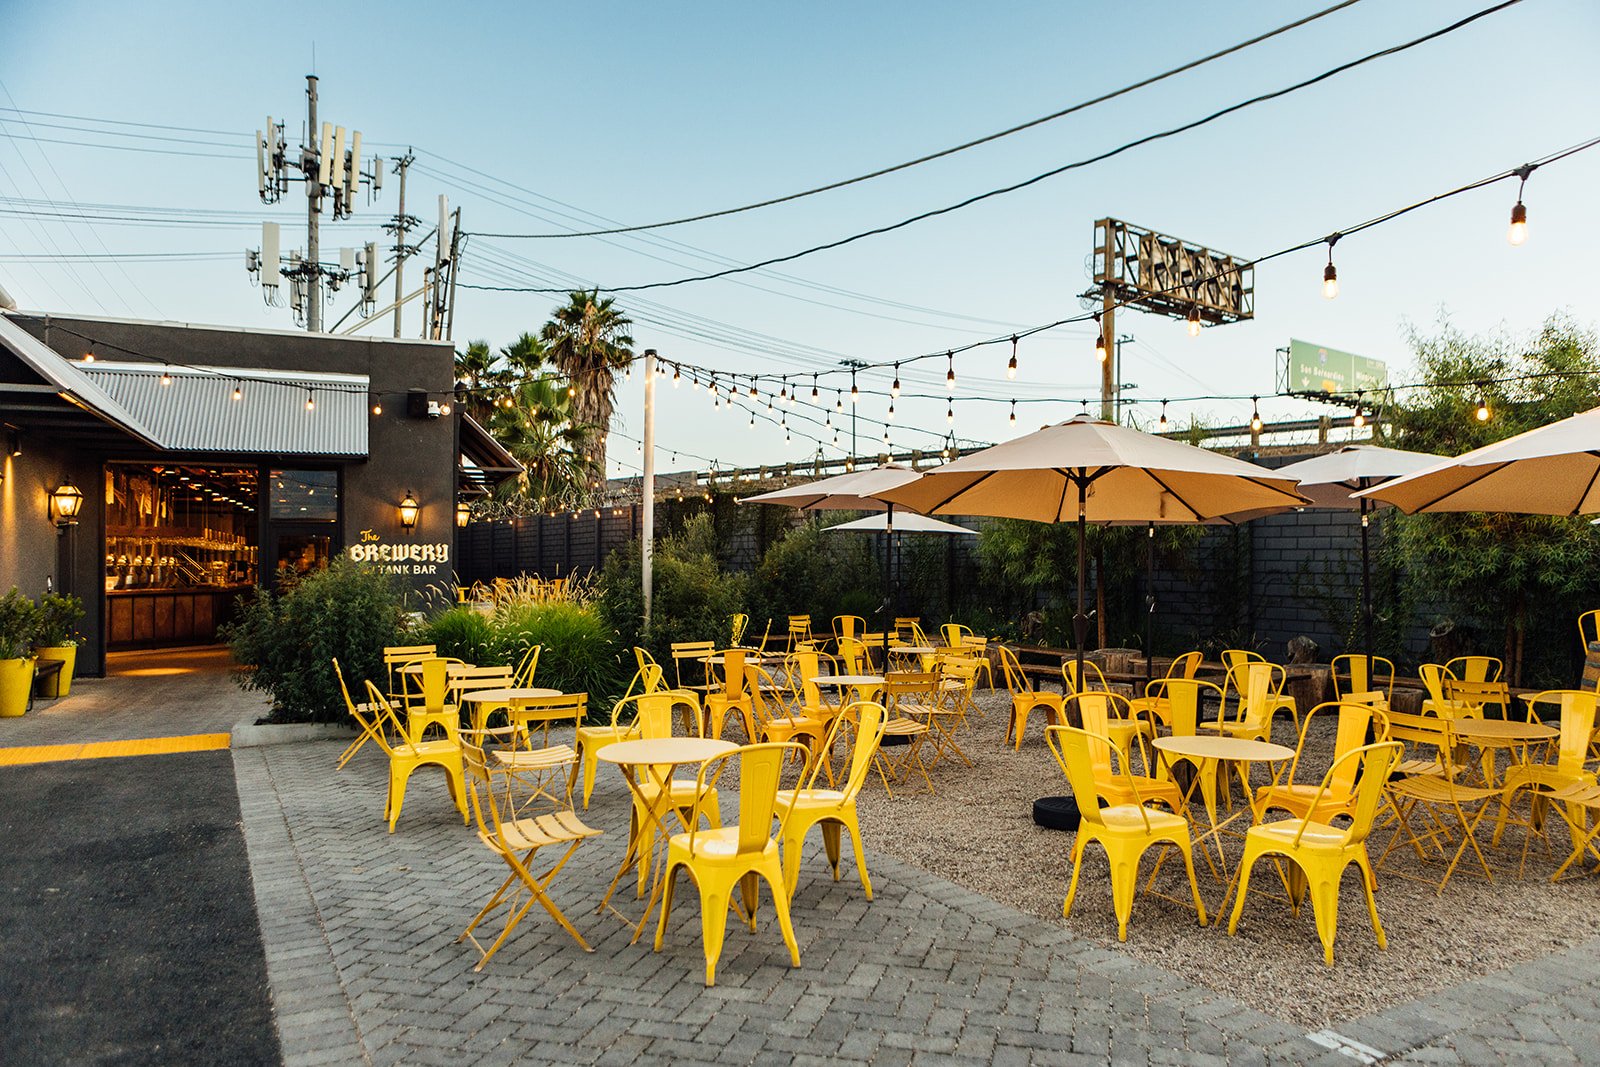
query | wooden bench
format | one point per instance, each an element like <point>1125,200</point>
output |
<point>42,669</point>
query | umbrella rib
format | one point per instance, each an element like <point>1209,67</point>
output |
<point>1576,508</point>
<point>1175,494</point>
<point>972,485</point>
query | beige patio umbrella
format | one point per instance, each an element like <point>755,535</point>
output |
<point>855,491</point>
<point>1093,471</point>
<point>1329,480</point>
<point>1552,470</point>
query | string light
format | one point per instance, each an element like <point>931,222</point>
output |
<point>1483,409</point>
<point>238,391</point>
<point>166,376</point>
<point>1099,340</point>
<point>1330,273</point>
<point>88,357</point>
<point>677,376</point>
<point>1361,416</point>
<point>1194,330</point>
<point>950,375</point>
<point>1011,368</point>
<point>1013,413</point>
<point>377,407</point>
<point>754,392</point>
<point>838,400</point>
<point>444,409</point>
<point>1163,414</point>
<point>1518,231</point>
<point>1255,415</point>
<point>310,403</point>
<point>752,420</point>
<point>894,390</point>
<point>783,392</point>
<point>694,381</point>
<point>813,388</point>
<point>891,411</point>
<point>949,414</point>
<point>886,436</point>
<point>714,386</point>
<point>855,394</point>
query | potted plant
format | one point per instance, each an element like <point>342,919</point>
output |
<point>17,616</point>
<point>56,638</point>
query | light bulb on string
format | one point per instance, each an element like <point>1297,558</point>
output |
<point>886,437</point>
<point>754,392</point>
<point>310,403</point>
<point>783,392</point>
<point>894,390</point>
<point>694,381</point>
<point>238,391</point>
<point>1194,330</point>
<point>377,407</point>
<point>855,393</point>
<point>813,388</point>
<point>1483,409</point>
<point>1011,368</point>
<point>1163,414</point>
<point>1255,415</point>
<point>950,375</point>
<point>949,415</point>
<point>1517,233</point>
<point>1013,413</point>
<point>1330,273</point>
<point>1360,419</point>
<point>838,400</point>
<point>1099,341</point>
<point>677,376</point>
<point>891,411</point>
<point>714,386</point>
<point>752,420</point>
<point>166,377</point>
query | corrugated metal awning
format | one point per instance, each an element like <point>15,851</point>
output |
<point>63,393</point>
<point>196,411</point>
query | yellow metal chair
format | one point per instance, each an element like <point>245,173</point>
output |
<point>1237,657</point>
<point>527,666</point>
<point>405,756</point>
<point>1126,828</point>
<point>1258,685</point>
<point>1155,700</point>
<point>1122,724</point>
<point>1320,853</point>
<point>1571,768</point>
<point>427,698</point>
<point>1183,698</point>
<point>955,634</point>
<point>591,739</point>
<point>736,628</point>
<point>699,654</point>
<point>1362,674</point>
<point>365,719</point>
<point>732,696</point>
<point>1102,716</point>
<point>397,656</point>
<point>742,855</point>
<point>516,841</point>
<point>834,810</point>
<point>848,626</point>
<point>799,631</point>
<point>1337,794</point>
<point>1476,668</point>
<point>852,652</point>
<point>908,629</point>
<point>1433,677</point>
<point>773,720</point>
<point>1025,699</point>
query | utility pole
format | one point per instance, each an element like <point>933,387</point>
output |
<point>401,226</point>
<point>1108,333</point>
<point>647,531</point>
<point>310,163</point>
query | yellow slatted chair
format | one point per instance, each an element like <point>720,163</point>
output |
<point>397,656</point>
<point>1336,794</point>
<point>1127,828</point>
<point>405,756</point>
<point>1362,674</point>
<point>1115,778</point>
<point>516,841</point>
<point>910,698</point>
<point>1319,854</point>
<point>1477,670</point>
<point>834,810</point>
<point>798,633</point>
<point>536,759</point>
<point>591,739</point>
<point>366,720</point>
<point>1571,768</point>
<point>742,855</point>
<point>1155,698</point>
<point>1025,699</point>
<point>908,629</point>
<point>697,656</point>
<point>469,679</point>
<point>732,696</point>
<point>1451,807</point>
<point>1235,657</point>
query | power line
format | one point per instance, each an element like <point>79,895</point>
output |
<point>986,139</point>
<point>1078,164</point>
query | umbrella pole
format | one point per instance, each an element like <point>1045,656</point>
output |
<point>1366,589</point>
<point>1080,621</point>
<point>1150,607</point>
<point>888,580</point>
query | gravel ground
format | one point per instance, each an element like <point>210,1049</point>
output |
<point>978,831</point>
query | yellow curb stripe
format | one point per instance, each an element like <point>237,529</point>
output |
<point>148,746</point>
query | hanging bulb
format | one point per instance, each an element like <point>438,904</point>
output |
<point>677,376</point>
<point>1163,414</point>
<point>894,390</point>
<point>166,378</point>
<point>1100,347</point>
<point>88,357</point>
<point>310,403</point>
<point>377,407</point>
<point>783,392</point>
<point>714,386</point>
<point>1330,274</point>
<point>827,418</point>
<point>1518,231</point>
<point>838,400</point>
<point>950,375</point>
<point>1483,409</point>
<point>694,381</point>
<point>886,437</point>
<point>813,388</point>
<point>891,411</point>
<point>238,391</point>
<point>1255,415</point>
<point>1194,329</point>
<point>1361,416</point>
<point>769,401</point>
<point>752,420</point>
<point>949,415</point>
<point>855,394</point>
<point>1013,413</point>
<point>627,371</point>
<point>1011,368</point>
<point>754,392</point>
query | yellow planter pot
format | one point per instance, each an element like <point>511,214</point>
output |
<point>61,684</point>
<point>16,678</point>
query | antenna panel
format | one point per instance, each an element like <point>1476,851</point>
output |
<point>336,176</point>
<point>261,166</point>
<point>270,274</point>
<point>369,275</point>
<point>347,259</point>
<point>325,157</point>
<point>353,175</point>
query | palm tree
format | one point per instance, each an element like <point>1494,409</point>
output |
<point>539,430</point>
<point>479,373</point>
<point>587,340</point>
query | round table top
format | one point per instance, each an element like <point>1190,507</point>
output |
<point>1502,730</point>
<point>913,650</point>
<point>506,696</point>
<point>848,679</point>
<point>415,667</point>
<point>1229,748</point>
<point>665,750</point>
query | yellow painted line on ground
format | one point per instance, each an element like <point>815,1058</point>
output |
<point>147,746</point>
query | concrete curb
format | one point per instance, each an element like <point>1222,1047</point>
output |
<point>250,734</point>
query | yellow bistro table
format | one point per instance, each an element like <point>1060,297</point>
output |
<point>1209,753</point>
<point>487,701</point>
<point>656,758</point>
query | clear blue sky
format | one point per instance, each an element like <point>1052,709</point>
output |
<point>643,111</point>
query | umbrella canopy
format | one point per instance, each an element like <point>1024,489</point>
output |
<point>856,491</point>
<point>1329,480</point>
<point>1125,476</point>
<point>1094,471</point>
<point>907,523</point>
<point>1553,470</point>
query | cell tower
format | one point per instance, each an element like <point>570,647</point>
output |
<point>331,171</point>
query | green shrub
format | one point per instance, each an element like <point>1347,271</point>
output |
<point>692,598</point>
<point>812,572</point>
<point>580,653</point>
<point>284,643</point>
<point>57,622</point>
<point>465,634</point>
<point>18,624</point>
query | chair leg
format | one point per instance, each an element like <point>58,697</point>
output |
<point>399,775</point>
<point>1078,843</point>
<point>713,922</point>
<point>666,902</point>
<point>1194,885</point>
<point>830,843</point>
<point>1364,865</point>
<point>1124,880</point>
<point>780,904</point>
<point>794,838</point>
<point>750,893</point>
<point>1250,857</point>
<point>591,764</point>
<point>1325,909</point>
<point>849,821</point>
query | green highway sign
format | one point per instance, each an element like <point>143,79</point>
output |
<point>1318,369</point>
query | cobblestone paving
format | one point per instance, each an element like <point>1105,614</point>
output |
<point>360,929</point>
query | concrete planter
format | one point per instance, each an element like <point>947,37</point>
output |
<point>250,734</point>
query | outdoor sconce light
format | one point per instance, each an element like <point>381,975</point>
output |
<point>463,513</point>
<point>409,509</point>
<point>69,501</point>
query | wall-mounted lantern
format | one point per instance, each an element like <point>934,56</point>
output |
<point>463,513</point>
<point>409,510</point>
<point>69,501</point>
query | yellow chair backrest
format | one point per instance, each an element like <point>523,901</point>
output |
<point>853,653</point>
<point>733,673</point>
<point>1260,681</point>
<point>1588,630</point>
<point>1350,733</point>
<point>397,656</point>
<point>1183,702</point>
<point>1233,657</point>
<point>690,651</point>
<point>642,657</point>
<point>1433,676</point>
<point>366,716</point>
<point>1475,668</point>
<point>799,627</point>
<point>1577,725</point>
<point>1097,678</point>
<point>1185,666</point>
<point>527,666</point>
<point>953,633</point>
<point>1077,751</point>
<point>435,682</point>
<point>1097,709</point>
<point>1011,667</point>
<point>1417,729</point>
<point>1373,762</point>
<point>848,626</point>
<point>760,773</point>
<point>869,717</point>
<point>1351,674</point>
<point>918,686</point>
<point>737,627</point>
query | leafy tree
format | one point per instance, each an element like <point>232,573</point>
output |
<point>809,571</point>
<point>1520,575</point>
<point>540,431</point>
<point>587,339</point>
<point>482,373</point>
<point>692,599</point>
